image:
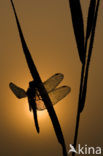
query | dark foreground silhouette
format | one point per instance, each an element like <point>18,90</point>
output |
<point>35,100</point>
<point>83,42</point>
<point>36,87</point>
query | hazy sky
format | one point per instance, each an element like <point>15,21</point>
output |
<point>47,28</point>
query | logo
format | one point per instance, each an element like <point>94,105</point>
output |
<point>85,150</point>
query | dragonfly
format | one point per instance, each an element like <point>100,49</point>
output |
<point>55,94</point>
<point>41,95</point>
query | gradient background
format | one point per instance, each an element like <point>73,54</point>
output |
<point>47,28</point>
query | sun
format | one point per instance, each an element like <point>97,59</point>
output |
<point>41,114</point>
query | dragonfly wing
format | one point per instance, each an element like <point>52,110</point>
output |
<point>58,94</point>
<point>53,82</point>
<point>55,96</point>
<point>19,92</point>
<point>40,105</point>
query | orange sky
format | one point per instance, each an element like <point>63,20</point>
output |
<point>47,28</point>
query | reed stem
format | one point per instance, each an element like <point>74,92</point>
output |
<point>84,75</point>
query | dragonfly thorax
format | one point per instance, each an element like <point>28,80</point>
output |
<point>32,91</point>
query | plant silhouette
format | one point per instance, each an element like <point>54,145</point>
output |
<point>38,84</point>
<point>84,53</point>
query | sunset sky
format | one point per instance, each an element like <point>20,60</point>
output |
<point>48,31</point>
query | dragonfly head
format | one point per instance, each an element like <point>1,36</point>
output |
<point>32,84</point>
<point>31,91</point>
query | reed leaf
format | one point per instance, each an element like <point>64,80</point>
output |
<point>41,88</point>
<point>91,13</point>
<point>82,103</point>
<point>78,25</point>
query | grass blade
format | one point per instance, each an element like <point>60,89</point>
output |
<point>41,88</point>
<point>82,97</point>
<point>91,14</point>
<point>78,25</point>
<point>82,104</point>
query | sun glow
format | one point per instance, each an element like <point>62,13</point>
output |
<point>41,114</point>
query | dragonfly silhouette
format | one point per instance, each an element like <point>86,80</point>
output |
<point>34,98</point>
<point>41,95</point>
